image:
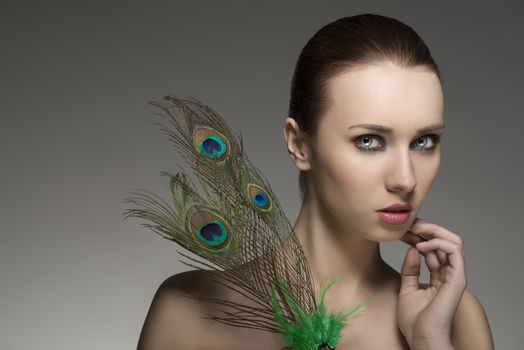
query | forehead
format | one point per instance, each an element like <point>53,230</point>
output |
<point>385,94</point>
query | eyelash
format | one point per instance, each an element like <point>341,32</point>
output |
<point>435,138</point>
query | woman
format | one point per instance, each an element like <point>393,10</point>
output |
<point>364,129</point>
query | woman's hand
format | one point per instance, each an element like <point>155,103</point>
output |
<point>425,315</point>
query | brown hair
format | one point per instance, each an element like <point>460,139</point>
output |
<point>339,46</point>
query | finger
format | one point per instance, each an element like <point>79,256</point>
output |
<point>430,230</point>
<point>434,267</point>
<point>410,271</point>
<point>442,257</point>
<point>413,238</point>
<point>436,277</point>
<point>434,260</point>
<point>453,251</point>
<point>453,276</point>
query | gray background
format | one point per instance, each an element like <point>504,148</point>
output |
<point>77,137</point>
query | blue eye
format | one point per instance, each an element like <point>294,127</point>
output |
<point>434,140</point>
<point>365,142</point>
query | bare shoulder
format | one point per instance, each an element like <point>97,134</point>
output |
<point>471,319</point>
<point>174,316</point>
<point>177,317</point>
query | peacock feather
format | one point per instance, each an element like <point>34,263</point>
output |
<point>230,218</point>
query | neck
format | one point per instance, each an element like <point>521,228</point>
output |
<point>332,250</point>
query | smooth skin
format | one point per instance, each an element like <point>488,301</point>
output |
<point>355,171</point>
<point>340,232</point>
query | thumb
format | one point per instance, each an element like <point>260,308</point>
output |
<point>410,271</point>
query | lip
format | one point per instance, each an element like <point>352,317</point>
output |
<point>397,213</point>
<point>397,207</point>
<point>394,218</point>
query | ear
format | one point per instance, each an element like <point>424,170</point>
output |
<point>297,145</point>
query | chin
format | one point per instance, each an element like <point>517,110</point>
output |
<point>390,232</point>
<point>391,237</point>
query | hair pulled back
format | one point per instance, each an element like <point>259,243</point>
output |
<point>346,43</point>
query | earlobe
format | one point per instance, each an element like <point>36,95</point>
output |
<point>297,146</point>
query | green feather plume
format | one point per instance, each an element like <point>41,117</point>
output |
<point>320,330</point>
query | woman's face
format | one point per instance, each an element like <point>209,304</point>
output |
<point>358,170</point>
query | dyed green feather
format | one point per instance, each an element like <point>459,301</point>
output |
<point>233,222</point>
<point>321,329</point>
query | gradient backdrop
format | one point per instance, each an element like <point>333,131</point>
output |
<point>77,137</point>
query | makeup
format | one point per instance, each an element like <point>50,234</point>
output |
<point>394,217</point>
<point>397,213</point>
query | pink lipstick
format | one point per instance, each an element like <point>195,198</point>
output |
<point>397,213</point>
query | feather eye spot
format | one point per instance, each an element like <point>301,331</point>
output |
<point>210,143</point>
<point>212,234</point>
<point>212,147</point>
<point>208,228</point>
<point>258,197</point>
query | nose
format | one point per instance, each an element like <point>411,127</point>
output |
<point>401,176</point>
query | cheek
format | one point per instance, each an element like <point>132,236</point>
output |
<point>334,169</point>
<point>344,180</point>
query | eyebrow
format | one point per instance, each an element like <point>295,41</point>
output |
<point>380,128</point>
